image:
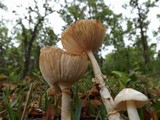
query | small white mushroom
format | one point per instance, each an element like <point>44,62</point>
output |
<point>130,99</point>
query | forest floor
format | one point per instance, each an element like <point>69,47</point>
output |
<point>44,105</point>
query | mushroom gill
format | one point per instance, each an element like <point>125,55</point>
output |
<point>83,35</point>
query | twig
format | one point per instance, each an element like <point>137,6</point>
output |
<point>2,112</point>
<point>27,101</point>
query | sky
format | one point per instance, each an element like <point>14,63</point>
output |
<point>56,22</point>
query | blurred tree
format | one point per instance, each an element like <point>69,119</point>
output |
<point>5,43</point>
<point>141,54</point>
<point>156,32</point>
<point>90,9</point>
<point>95,9</point>
<point>32,32</point>
<point>138,26</point>
<point>35,35</point>
<point>10,56</point>
<point>124,59</point>
<point>2,6</point>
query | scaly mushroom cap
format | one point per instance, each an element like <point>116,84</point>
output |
<point>58,66</point>
<point>129,94</point>
<point>83,35</point>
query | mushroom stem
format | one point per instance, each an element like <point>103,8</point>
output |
<point>66,103</point>
<point>104,92</point>
<point>132,111</point>
<point>96,68</point>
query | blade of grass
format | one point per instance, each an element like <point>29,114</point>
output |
<point>77,113</point>
<point>91,107</point>
<point>141,114</point>
<point>20,103</point>
<point>12,104</point>
<point>27,101</point>
<point>98,114</point>
<point>46,102</point>
<point>10,112</point>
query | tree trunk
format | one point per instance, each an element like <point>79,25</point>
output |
<point>144,42</point>
<point>27,59</point>
<point>146,54</point>
<point>28,45</point>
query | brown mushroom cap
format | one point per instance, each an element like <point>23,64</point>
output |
<point>58,66</point>
<point>129,94</point>
<point>83,35</point>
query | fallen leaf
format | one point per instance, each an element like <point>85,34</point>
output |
<point>49,114</point>
<point>146,114</point>
<point>12,97</point>
<point>92,93</point>
<point>35,113</point>
<point>96,102</point>
<point>85,107</point>
<point>153,114</point>
<point>11,86</point>
<point>155,92</point>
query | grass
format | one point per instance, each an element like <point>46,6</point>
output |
<point>85,105</point>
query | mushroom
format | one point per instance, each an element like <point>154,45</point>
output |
<point>83,36</point>
<point>130,99</point>
<point>52,91</point>
<point>87,36</point>
<point>61,69</point>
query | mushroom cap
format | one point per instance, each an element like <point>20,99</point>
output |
<point>58,66</point>
<point>83,35</point>
<point>129,94</point>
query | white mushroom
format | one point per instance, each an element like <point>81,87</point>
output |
<point>130,99</point>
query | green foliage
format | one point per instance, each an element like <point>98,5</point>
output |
<point>123,79</point>
<point>12,107</point>
<point>46,103</point>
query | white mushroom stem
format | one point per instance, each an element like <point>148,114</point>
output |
<point>66,103</point>
<point>104,92</point>
<point>132,111</point>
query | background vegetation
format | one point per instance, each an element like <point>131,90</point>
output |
<point>136,65</point>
